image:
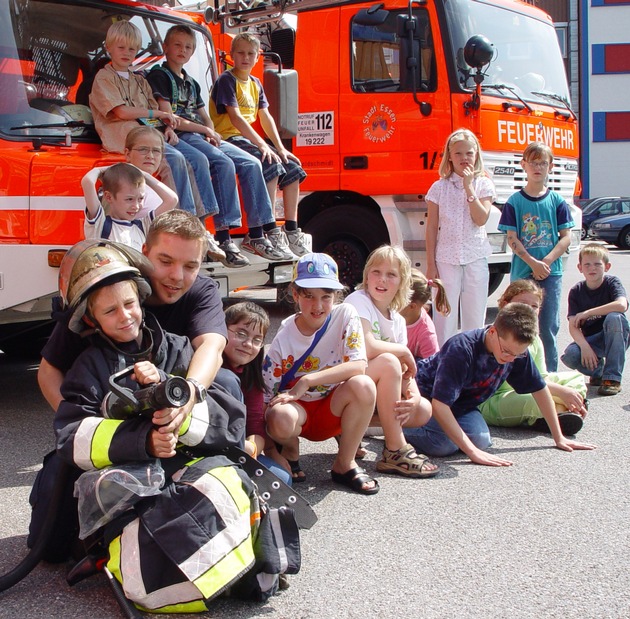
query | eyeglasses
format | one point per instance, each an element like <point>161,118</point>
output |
<point>538,164</point>
<point>507,353</point>
<point>243,337</point>
<point>145,150</point>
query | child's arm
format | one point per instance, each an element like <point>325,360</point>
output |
<point>412,406</point>
<point>129,112</point>
<point>328,376</point>
<point>480,207</point>
<point>88,184</point>
<point>269,127</point>
<point>247,131</point>
<point>620,305</point>
<point>433,219</point>
<point>560,247</point>
<point>570,397</point>
<point>168,196</point>
<point>376,347</point>
<point>548,409</point>
<point>444,416</point>
<point>589,357</point>
<point>540,269</point>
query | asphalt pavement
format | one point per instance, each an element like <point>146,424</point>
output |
<point>545,538</point>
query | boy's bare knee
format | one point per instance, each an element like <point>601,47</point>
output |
<point>386,366</point>
<point>363,389</point>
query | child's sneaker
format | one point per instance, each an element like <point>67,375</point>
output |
<point>234,259</point>
<point>297,241</point>
<point>214,252</point>
<point>279,242</point>
<point>261,247</point>
<point>609,387</point>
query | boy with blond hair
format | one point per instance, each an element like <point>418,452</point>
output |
<point>124,190</point>
<point>597,322</point>
<point>538,223</point>
<point>122,100</point>
<point>237,100</point>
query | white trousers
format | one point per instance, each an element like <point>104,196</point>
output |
<point>466,288</point>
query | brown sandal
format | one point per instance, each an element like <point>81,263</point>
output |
<point>405,461</point>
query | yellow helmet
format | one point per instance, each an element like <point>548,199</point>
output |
<point>91,264</point>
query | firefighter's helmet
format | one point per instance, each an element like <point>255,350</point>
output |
<point>92,264</point>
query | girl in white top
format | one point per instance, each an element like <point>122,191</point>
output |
<point>385,290</point>
<point>457,244</point>
<point>328,390</point>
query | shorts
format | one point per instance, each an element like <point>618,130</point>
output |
<point>287,173</point>
<point>320,423</point>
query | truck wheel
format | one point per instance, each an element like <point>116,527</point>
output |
<point>348,233</point>
<point>624,238</point>
<point>494,282</point>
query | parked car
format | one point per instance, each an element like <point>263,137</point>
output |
<point>614,230</point>
<point>597,208</point>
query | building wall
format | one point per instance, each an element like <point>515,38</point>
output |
<point>605,96</point>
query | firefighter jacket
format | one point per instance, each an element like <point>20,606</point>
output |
<point>88,440</point>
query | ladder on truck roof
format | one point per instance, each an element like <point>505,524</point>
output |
<point>239,13</point>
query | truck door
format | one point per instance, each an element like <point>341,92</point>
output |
<point>390,143</point>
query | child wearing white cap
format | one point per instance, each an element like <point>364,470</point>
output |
<point>315,373</point>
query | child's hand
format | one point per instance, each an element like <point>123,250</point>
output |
<point>408,364</point>
<point>566,444</point>
<point>161,445</point>
<point>573,401</point>
<point>145,373</point>
<point>590,359</point>
<point>171,137</point>
<point>403,409</point>
<point>213,137</point>
<point>285,155</point>
<point>269,155</point>
<point>580,318</point>
<point>168,118</point>
<point>540,270</point>
<point>468,176</point>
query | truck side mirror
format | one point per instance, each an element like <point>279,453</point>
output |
<point>281,88</point>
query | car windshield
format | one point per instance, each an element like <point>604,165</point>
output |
<point>50,51</point>
<point>527,54</point>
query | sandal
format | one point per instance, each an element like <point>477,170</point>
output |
<point>405,461</point>
<point>296,469</point>
<point>355,479</point>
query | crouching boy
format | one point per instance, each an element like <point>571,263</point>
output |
<point>597,322</point>
<point>466,372</point>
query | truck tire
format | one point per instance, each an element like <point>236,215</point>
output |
<point>348,233</point>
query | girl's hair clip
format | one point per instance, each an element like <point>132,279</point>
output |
<point>429,283</point>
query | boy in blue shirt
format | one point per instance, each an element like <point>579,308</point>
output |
<point>466,371</point>
<point>597,322</point>
<point>237,101</point>
<point>538,223</point>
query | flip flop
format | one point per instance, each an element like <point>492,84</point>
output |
<point>355,479</point>
<point>296,469</point>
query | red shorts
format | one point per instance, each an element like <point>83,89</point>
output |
<point>320,423</point>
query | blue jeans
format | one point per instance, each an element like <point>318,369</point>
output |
<point>201,169</point>
<point>549,319</point>
<point>226,162</point>
<point>431,440</point>
<point>177,163</point>
<point>610,346</point>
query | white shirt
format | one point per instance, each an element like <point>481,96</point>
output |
<point>459,240</point>
<point>392,329</point>
<point>131,233</point>
<point>342,342</point>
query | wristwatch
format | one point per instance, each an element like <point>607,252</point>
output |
<point>199,390</point>
<point>471,198</point>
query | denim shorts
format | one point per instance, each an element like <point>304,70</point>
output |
<point>287,173</point>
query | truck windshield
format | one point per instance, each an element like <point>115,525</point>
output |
<point>50,51</point>
<point>527,57</point>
